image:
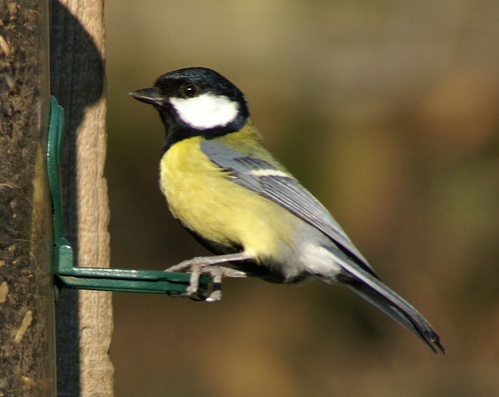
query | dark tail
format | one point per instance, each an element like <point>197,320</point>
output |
<point>377,293</point>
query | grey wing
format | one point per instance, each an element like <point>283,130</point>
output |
<point>275,184</point>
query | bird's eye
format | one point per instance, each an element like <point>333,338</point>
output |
<point>189,90</point>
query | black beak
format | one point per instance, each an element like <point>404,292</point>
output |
<point>149,95</point>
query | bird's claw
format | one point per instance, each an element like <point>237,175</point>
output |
<point>197,267</point>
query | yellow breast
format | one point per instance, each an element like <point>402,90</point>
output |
<point>203,197</point>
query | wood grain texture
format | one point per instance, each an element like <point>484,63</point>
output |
<point>84,318</point>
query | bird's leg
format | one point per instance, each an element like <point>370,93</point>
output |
<point>206,265</point>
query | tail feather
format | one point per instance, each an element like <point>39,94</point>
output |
<point>378,294</point>
<point>370,287</point>
<point>399,309</point>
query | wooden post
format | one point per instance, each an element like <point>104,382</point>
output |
<point>84,318</point>
<point>27,354</point>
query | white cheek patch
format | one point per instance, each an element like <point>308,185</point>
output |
<point>206,111</point>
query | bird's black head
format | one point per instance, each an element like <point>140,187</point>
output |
<point>196,101</point>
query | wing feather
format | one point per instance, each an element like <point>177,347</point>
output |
<point>268,179</point>
<point>272,182</point>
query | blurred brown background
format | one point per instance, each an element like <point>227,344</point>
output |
<point>389,113</point>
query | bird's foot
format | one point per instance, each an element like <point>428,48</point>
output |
<point>210,266</point>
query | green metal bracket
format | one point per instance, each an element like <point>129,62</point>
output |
<point>94,278</point>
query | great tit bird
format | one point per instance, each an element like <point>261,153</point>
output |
<point>235,198</point>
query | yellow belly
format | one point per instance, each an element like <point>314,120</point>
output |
<point>205,200</point>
